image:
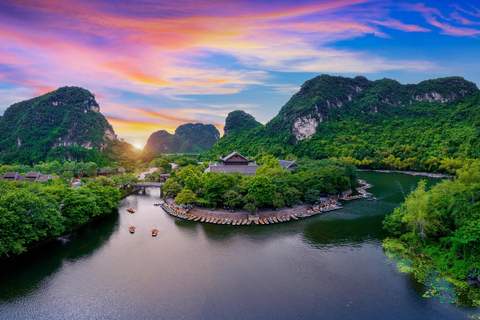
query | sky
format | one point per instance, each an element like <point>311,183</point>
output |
<point>154,65</point>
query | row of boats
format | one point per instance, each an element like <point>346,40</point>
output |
<point>154,231</point>
<point>176,212</point>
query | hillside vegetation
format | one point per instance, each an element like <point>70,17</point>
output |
<point>372,124</point>
<point>188,138</point>
<point>64,124</point>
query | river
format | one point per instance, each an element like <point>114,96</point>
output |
<point>325,267</point>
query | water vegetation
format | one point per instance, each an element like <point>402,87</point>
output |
<point>437,231</point>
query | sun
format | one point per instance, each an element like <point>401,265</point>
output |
<point>138,146</point>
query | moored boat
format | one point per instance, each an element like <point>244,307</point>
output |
<point>154,232</point>
<point>132,229</point>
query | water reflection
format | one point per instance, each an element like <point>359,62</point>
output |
<point>340,233</point>
<point>19,278</point>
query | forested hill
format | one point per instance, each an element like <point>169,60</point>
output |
<point>188,138</point>
<point>64,124</point>
<point>383,123</point>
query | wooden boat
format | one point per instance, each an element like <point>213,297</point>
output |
<point>132,229</point>
<point>154,232</point>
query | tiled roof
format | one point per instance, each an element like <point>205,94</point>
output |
<point>234,154</point>
<point>287,164</point>
<point>33,174</point>
<point>9,175</point>
<point>30,177</point>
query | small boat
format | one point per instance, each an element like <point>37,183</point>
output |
<point>294,217</point>
<point>249,222</point>
<point>132,229</point>
<point>244,222</point>
<point>154,232</point>
<point>266,221</point>
<point>256,222</point>
<point>130,210</point>
<point>203,219</point>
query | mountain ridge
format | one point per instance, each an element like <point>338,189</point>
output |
<point>354,117</point>
<point>188,138</point>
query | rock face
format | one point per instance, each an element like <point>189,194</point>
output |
<point>324,97</point>
<point>188,138</point>
<point>304,127</point>
<point>473,279</point>
<point>52,126</point>
<point>328,109</point>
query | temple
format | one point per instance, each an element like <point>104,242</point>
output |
<point>234,162</point>
<point>30,177</point>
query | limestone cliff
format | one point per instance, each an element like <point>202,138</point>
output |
<point>54,125</point>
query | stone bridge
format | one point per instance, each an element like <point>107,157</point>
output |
<point>143,185</point>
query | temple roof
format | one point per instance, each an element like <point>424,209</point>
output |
<point>235,153</point>
<point>287,164</point>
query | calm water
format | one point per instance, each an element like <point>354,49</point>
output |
<point>325,267</point>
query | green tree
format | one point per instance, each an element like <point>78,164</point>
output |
<point>186,196</point>
<point>262,189</point>
<point>232,198</point>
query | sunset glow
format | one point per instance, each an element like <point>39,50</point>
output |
<point>158,64</point>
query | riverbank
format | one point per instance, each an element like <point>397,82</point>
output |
<point>412,173</point>
<point>264,216</point>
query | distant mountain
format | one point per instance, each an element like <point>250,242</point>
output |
<point>373,120</point>
<point>63,124</point>
<point>188,138</point>
<point>239,121</point>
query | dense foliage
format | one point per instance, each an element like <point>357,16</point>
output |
<point>376,124</point>
<point>239,121</point>
<point>441,225</point>
<point>188,138</point>
<point>35,212</point>
<point>63,124</point>
<point>272,186</point>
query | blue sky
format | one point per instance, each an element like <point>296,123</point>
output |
<point>155,64</point>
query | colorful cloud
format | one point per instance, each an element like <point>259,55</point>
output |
<point>158,64</point>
